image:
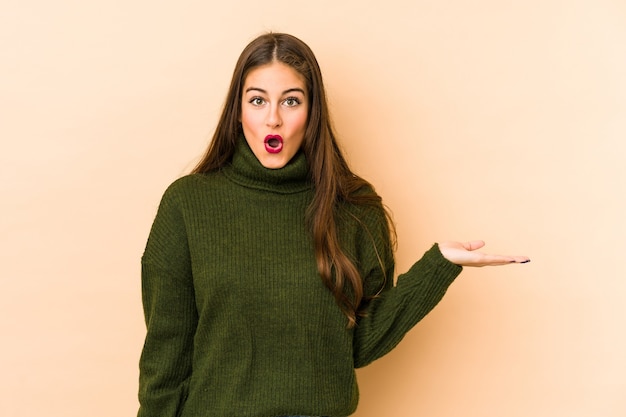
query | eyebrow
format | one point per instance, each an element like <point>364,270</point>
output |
<point>290,90</point>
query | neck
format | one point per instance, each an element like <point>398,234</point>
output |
<point>246,170</point>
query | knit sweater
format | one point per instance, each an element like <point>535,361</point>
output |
<point>239,322</point>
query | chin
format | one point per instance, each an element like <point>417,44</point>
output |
<point>276,161</point>
<point>274,164</point>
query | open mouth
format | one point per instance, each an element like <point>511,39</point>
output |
<point>273,143</point>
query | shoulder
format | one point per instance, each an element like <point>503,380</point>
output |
<point>190,185</point>
<point>186,193</point>
<point>365,204</point>
<point>185,183</point>
<point>364,189</point>
<point>365,216</point>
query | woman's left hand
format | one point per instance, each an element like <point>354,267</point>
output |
<point>465,254</point>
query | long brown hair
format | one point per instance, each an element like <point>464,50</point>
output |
<point>332,179</point>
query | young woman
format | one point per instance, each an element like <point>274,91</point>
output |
<point>268,274</point>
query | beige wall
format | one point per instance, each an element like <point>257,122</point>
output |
<point>500,120</point>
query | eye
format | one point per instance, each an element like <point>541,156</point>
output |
<point>256,101</point>
<point>291,101</point>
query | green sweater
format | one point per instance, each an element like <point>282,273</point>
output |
<point>238,320</point>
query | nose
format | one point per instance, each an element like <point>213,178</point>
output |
<point>273,119</point>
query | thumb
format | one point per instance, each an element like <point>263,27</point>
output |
<point>473,244</point>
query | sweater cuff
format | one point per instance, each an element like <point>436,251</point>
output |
<point>442,271</point>
<point>445,266</point>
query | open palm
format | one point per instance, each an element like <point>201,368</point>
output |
<point>466,254</point>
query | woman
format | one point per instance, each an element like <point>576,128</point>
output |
<point>268,273</point>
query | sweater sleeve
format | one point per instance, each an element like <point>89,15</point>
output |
<point>170,313</point>
<point>397,309</point>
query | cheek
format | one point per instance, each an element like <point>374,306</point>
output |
<point>248,121</point>
<point>301,121</point>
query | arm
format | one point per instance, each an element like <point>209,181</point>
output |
<point>398,309</point>
<point>391,314</point>
<point>170,314</point>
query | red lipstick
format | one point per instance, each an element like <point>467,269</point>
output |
<point>273,143</point>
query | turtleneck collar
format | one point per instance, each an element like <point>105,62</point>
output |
<point>246,170</point>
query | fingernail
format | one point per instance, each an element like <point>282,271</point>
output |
<point>525,262</point>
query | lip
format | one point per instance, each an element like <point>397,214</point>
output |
<point>273,143</point>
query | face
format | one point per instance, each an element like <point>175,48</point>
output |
<point>274,111</point>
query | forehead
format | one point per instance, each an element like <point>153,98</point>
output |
<point>275,75</point>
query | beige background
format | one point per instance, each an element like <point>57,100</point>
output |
<point>500,120</point>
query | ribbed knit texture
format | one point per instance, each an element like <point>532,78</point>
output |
<point>239,323</point>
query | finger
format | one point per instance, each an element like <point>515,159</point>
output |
<point>503,260</point>
<point>495,260</point>
<point>521,259</point>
